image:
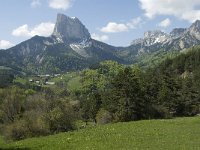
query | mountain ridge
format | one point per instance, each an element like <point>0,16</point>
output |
<point>158,37</point>
<point>70,47</point>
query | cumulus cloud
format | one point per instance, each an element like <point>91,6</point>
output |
<point>100,37</point>
<point>43,29</point>
<point>113,27</point>
<point>165,23</point>
<point>183,9</point>
<point>134,22</point>
<point>60,4</point>
<point>5,44</point>
<point>35,3</point>
<point>21,31</point>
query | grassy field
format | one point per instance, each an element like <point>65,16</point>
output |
<point>174,134</point>
<point>72,80</point>
<point>74,83</point>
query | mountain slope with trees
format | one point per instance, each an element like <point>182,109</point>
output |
<point>71,47</point>
<point>108,93</point>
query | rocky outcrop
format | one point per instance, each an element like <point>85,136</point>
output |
<point>177,39</point>
<point>70,29</point>
<point>177,32</point>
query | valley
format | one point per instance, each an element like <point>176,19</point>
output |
<point>66,88</point>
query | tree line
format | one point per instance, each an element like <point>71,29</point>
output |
<point>109,92</point>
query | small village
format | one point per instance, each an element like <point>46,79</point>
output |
<point>44,79</point>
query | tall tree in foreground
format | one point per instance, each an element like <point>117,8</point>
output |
<point>126,99</point>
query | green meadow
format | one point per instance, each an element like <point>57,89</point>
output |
<point>170,134</point>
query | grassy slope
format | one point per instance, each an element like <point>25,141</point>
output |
<point>181,133</point>
<point>74,83</point>
<point>72,80</point>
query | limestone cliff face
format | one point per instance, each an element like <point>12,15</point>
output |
<point>70,29</point>
<point>194,29</point>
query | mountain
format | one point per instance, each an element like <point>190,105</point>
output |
<point>70,47</point>
<point>178,38</point>
<point>70,29</point>
<point>177,32</point>
<point>155,42</point>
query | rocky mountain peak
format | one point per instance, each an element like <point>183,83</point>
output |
<point>152,34</point>
<point>194,30</point>
<point>177,32</point>
<point>70,29</point>
<point>195,25</point>
<point>153,37</point>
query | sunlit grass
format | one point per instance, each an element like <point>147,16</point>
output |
<point>180,134</point>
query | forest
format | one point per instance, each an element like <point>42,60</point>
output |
<point>108,92</point>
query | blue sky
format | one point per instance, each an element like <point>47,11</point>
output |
<point>116,22</point>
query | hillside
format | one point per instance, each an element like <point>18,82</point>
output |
<point>180,133</point>
<point>186,62</point>
<point>71,48</point>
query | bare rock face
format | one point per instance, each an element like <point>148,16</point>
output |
<point>154,37</point>
<point>177,39</point>
<point>70,29</point>
<point>194,29</point>
<point>177,32</point>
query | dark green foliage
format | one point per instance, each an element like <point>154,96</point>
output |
<point>6,76</point>
<point>167,91</point>
<point>175,84</point>
<point>126,92</point>
<point>109,92</point>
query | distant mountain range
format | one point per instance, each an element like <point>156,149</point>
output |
<point>178,39</point>
<point>70,47</point>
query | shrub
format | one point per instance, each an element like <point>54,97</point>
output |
<point>103,117</point>
<point>16,131</point>
<point>36,123</point>
<point>61,117</point>
<point>12,105</point>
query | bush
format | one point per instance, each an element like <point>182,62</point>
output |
<point>36,123</point>
<point>159,112</point>
<point>103,117</point>
<point>16,131</point>
<point>40,116</point>
<point>61,117</point>
<point>13,104</point>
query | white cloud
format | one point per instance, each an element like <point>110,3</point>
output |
<point>43,29</point>
<point>21,31</point>
<point>183,9</point>
<point>100,37</point>
<point>35,3</point>
<point>113,27</point>
<point>165,23</point>
<point>5,44</point>
<point>134,22</point>
<point>60,4</point>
